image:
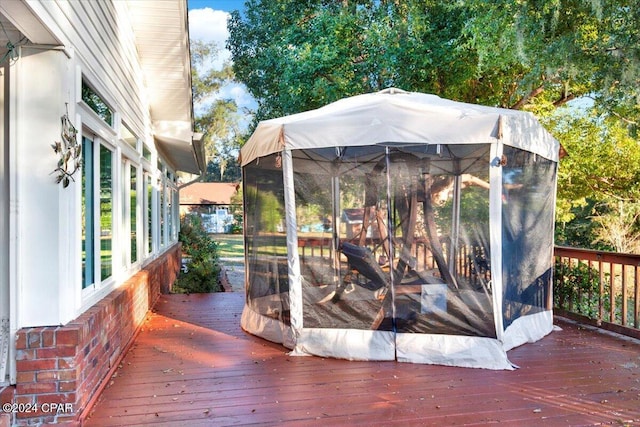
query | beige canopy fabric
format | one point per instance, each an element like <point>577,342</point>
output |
<point>395,116</point>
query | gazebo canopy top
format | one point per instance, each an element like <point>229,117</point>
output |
<point>393,116</point>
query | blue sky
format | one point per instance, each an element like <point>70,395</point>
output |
<point>226,5</point>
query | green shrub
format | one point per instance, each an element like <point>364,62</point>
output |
<point>201,261</point>
<point>577,288</point>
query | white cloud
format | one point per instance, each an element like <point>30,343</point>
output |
<point>211,25</point>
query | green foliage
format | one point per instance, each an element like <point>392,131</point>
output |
<point>237,210</point>
<point>218,120</point>
<point>267,205</point>
<point>223,168</point>
<point>536,55</point>
<point>202,269</point>
<point>296,56</point>
<point>577,288</point>
<point>474,210</point>
<point>618,226</point>
<point>97,104</point>
<point>574,226</point>
<point>598,182</point>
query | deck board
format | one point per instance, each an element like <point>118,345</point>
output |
<point>192,364</point>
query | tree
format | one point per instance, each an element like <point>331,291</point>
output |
<point>538,55</point>
<point>598,182</point>
<point>218,119</point>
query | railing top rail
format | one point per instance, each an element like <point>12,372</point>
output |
<point>595,255</point>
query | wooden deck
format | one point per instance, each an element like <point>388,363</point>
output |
<point>192,365</point>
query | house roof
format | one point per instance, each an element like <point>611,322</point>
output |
<point>208,193</point>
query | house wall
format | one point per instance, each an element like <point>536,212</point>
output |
<point>38,201</point>
<point>66,365</point>
<point>45,256</point>
<point>4,231</point>
<point>103,42</point>
<point>69,334</point>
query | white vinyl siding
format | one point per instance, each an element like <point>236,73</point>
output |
<point>101,34</point>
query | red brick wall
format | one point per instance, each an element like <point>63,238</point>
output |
<point>65,365</point>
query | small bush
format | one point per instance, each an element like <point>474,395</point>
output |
<point>201,267</point>
<point>577,288</point>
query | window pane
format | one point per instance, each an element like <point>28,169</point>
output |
<point>134,214</point>
<point>87,213</point>
<point>97,104</point>
<point>161,208</point>
<point>176,214</point>
<point>149,209</point>
<point>168,200</point>
<point>128,137</point>
<point>123,217</point>
<point>146,153</point>
<point>106,213</point>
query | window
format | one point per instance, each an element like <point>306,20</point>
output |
<point>133,212</point>
<point>123,219</point>
<point>106,213</point>
<point>127,136</point>
<point>169,209</point>
<point>176,215</point>
<point>100,243</point>
<point>87,213</point>
<point>148,210</point>
<point>97,104</point>
<point>146,153</point>
<point>161,212</point>
<point>129,213</point>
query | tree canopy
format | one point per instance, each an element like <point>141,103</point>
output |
<point>535,55</point>
<point>217,118</point>
<point>297,55</point>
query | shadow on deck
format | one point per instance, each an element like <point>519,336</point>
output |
<point>191,364</point>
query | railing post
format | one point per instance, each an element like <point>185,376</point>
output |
<point>601,297</point>
<point>623,308</point>
<point>636,299</point>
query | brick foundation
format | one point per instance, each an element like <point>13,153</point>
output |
<point>64,366</point>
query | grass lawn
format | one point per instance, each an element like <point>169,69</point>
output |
<point>229,245</point>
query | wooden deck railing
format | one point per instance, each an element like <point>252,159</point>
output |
<point>595,287</point>
<point>598,287</point>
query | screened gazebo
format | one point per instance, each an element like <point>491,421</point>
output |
<point>400,226</point>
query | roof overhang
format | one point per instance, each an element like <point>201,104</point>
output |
<point>162,37</point>
<point>24,21</point>
<point>180,146</point>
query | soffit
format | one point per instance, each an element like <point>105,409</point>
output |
<point>162,39</point>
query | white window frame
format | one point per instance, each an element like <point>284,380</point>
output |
<point>98,283</point>
<point>151,239</point>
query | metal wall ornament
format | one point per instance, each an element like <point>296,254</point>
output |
<point>69,151</point>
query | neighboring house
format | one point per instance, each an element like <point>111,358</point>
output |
<point>213,201</point>
<point>82,261</point>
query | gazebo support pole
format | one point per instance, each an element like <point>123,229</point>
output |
<point>335,222</point>
<point>389,236</point>
<point>455,223</point>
